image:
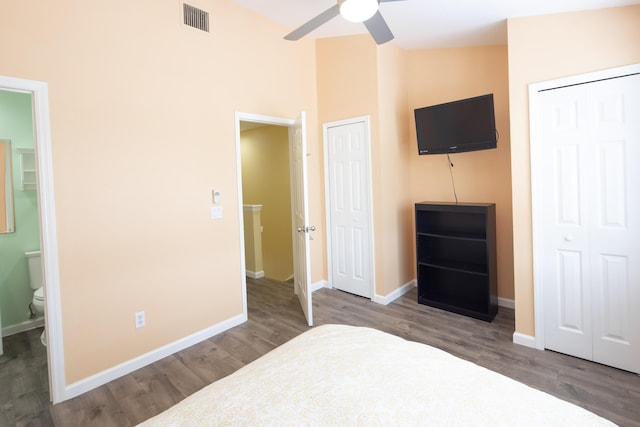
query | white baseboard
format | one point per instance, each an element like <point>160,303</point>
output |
<point>506,303</point>
<point>525,340</point>
<point>129,366</point>
<point>254,274</point>
<point>388,299</point>
<point>27,325</point>
<point>319,285</point>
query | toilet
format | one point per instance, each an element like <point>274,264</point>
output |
<point>35,280</point>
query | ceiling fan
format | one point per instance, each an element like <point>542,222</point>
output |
<point>365,11</point>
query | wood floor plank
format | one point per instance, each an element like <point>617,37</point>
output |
<point>124,386</point>
<point>210,362</point>
<point>163,393</point>
<point>138,406</point>
<point>180,376</point>
<point>98,408</point>
<point>206,361</point>
<point>237,348</point>
<point>27,408</point>
<point>6,420</point>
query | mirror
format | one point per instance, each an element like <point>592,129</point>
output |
<point>6,188</point>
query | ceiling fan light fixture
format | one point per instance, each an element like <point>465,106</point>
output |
<point>358,10</point>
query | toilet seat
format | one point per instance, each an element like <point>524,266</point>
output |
<point>38,295</point>
<point>38,300</point>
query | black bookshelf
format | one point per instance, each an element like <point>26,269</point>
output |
<point>456,257</point>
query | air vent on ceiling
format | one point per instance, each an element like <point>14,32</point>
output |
<point>196,18</point>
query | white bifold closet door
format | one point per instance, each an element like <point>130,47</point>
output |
<point>588,164</point>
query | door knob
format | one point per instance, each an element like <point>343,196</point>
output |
<point>568,238</point>
<point>306,229</point>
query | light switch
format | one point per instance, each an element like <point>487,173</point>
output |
<point>216,212</point>
<point>217,197</point>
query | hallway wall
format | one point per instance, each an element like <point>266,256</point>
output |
<point>266,182</point>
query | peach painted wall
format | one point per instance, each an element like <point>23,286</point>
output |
<point>544,48</point>
<point>442,75</point>
<point>143,128</point>
<point>266,182</point>
<point>357,78</point>
<point>393,212</point>
<point>347,78</point>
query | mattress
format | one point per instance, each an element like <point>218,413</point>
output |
<point>337,375</point>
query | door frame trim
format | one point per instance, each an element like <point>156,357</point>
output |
<point>327,196</point>
<point>536,193</point>
<point>39,92</point>
<point>255,118</point>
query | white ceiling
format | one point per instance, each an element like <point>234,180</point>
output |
<point>422,24</point>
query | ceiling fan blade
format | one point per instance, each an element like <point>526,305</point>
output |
<point>378,29</point>
<point>314,23</point>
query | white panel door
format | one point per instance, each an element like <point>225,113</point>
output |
<point>589,214</point>
<point>349,183</point>
<point>300,208</point>
<point>565,215</point>
<point>614,108</point>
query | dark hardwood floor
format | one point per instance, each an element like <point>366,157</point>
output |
<point>274,318</point>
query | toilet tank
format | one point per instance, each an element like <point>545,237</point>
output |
<point>35,269</point>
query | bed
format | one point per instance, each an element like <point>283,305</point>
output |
<point>337,375</point>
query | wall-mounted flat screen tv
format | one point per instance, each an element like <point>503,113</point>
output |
<point>458,126</point>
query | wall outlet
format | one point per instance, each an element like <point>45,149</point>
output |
<point>140,319</point>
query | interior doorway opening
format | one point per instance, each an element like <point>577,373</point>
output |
<point>48,234</point>
<point>262,145</point>
<point>266,198</point>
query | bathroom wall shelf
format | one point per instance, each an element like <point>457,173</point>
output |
<point>27,168</point>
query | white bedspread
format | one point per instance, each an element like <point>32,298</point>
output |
<point>350,376</point>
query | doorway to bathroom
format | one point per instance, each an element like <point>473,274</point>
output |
<point>272,185</point>
<point>20,234</point>
<point>45,213</point>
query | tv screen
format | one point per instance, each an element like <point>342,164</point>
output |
<point>458,126</point>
